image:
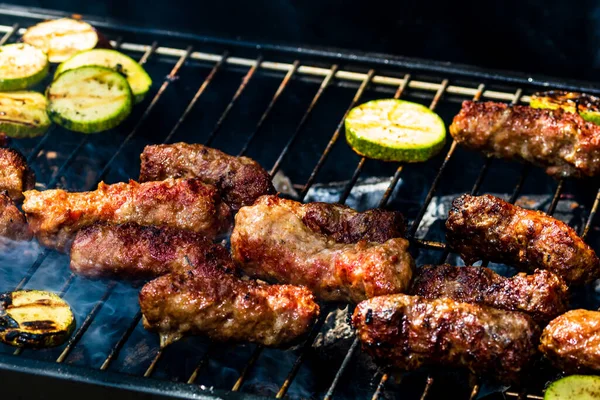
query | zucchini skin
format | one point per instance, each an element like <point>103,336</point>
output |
<point>91,126</point>
<point>369,149</point>
<point>24,83</point>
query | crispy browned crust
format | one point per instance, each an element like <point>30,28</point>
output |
<point>240,180</point>
<point>408,332</point>
<point>12,222</point>
<point>15,175</point>
<point>562,142</point>
<point>55,216</point>
<point>486,227</point>
<point>572,341</point>
<point>346,225</point>
<point>135,252</point>
<point>271,242</point>
<point>209,301</point>
<point>542,295</point>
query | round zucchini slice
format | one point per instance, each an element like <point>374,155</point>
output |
<point>23,114</point>
<point>62,38</point>
<point>89,99</point>
<point>586,105</point>
<point>395,130</point>
<point>574,387</point>
<point>21,66</point>
<point>34,318</point>
<point>137,77</point>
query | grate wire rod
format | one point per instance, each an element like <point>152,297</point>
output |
<point>362,161</point>
<point>196,97</point>
<point>245,80</point>
<point>336,134</point>
<point>324,84</point>
<point>286,79</point>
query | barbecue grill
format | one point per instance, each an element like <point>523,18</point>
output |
<point>283,106</point>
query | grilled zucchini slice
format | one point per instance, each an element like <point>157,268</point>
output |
<point>586,105</point>
<point>89,99</point>
<point>62,38</point>
<point>574,387</point>
<point>23,114</point>
<point>34,318</point>
<point>21,66</point>
<point>395,130</point>
<point>137,77</point>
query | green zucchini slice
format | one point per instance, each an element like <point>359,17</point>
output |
<point>23,114</point>
<point>395,130</point>
<point>34,318</point>
<point>89,99</point>
<point>586,105</point>
<point>62,38</point>
<point>21,66</point>
<point>138,79</point>
<point>574,387</point>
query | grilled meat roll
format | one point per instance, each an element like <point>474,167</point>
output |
<point>561,142</point>
<point>55,216</point>
<point>572,341</point>
<point>12,222</point>
<point>487,227</point>
<point>240,180</point>
<point>542,295</point>
<point>270,241</point>
<point>15,175</point>
<point>135,252</point>
<point>409,332</point>
<point>346,225</point>
<point>209,300</point>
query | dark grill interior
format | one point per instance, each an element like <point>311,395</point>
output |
<point>285,108</point>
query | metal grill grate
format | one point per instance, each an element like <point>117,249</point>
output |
<point>220,63</point>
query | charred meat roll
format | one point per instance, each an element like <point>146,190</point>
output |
<point>135,252</point>
<point>561,142</point>
<point>486,227</point>
<point>240,180</point>
<point>409,332</point>
<point>12,222</point>
<point>346,225</point>
<point>271,242</point>
<point>542,295</point>
<point>55,216</point>
<point>209,300</point>
<point>572,341</point>
<point>15,176</point>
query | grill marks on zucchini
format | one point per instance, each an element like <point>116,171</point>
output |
<point>23,114</point>
<point>21,66</point>
<point>139,81</point>
<point>586,105</point>
<point>62,38</point>
<point>89,99</point>
<point>33,318</point>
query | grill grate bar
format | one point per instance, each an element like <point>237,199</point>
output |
<point>170,78</point>
<point>253,358</point>
<point>336,135</point>
<point>361,163</point>
<point>86,323</point>
<point>152,365</point>
<point>392,185</point>
<point>380,387</point>
<point>199,93</point>
<point>588,224</point>
<point>324,84</point>
<point>36,150</point>
<point>9,33</point>
<point>114,352</point>
<point>287,78</point>
<point>236,96</point>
